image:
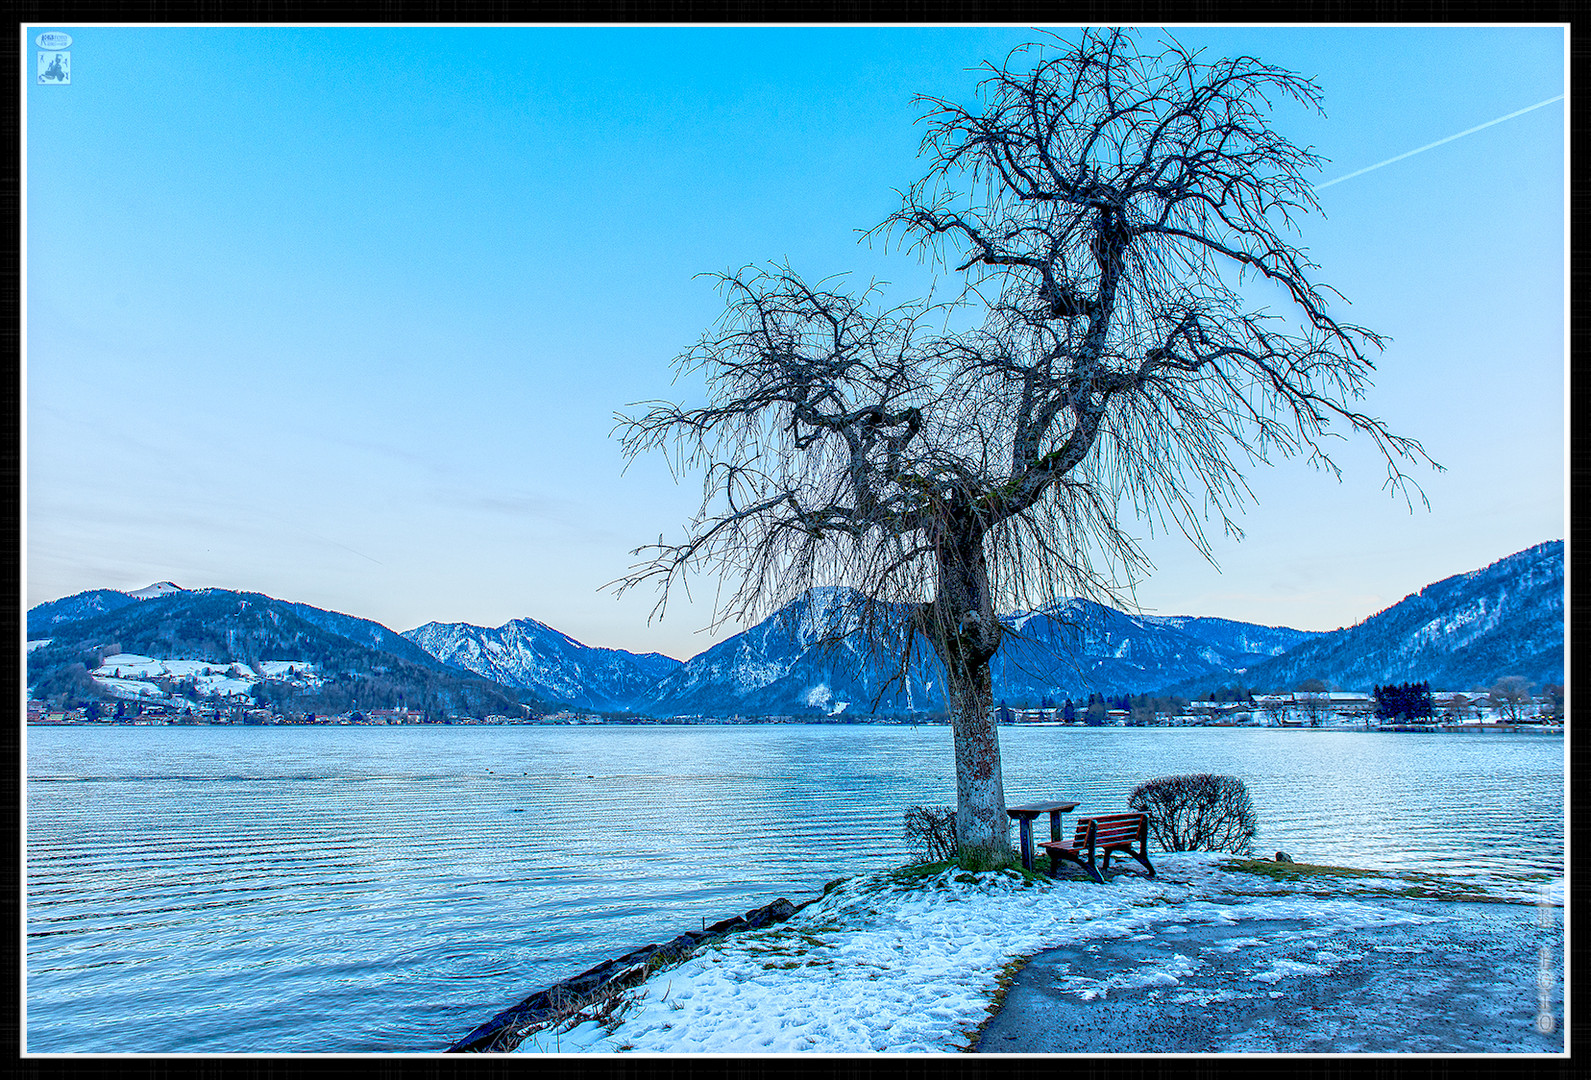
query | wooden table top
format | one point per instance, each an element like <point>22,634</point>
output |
<point>1037,808</point>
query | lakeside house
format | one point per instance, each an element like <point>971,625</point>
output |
<point>400,715</point>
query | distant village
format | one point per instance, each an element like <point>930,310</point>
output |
<point>1506,708</point>
<point>146,691</point>
<point>1450,711</point>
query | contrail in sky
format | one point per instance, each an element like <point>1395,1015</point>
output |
<point>1439,142</point>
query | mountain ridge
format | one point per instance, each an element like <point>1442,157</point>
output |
<point>531,655</point>
<point>364,662</point>
<point>1459,633</point>
<point>1504,618</point>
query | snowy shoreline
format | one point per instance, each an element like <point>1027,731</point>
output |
<point>901,962</point>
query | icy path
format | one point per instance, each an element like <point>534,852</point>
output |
<point>890,963</point>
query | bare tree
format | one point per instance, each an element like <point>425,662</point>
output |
<point>1119,218</point>
<point>1274,708</point>
<point>1313,699</point>
<point>1510,696</point>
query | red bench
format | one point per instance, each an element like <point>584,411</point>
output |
<point>1105,834</point>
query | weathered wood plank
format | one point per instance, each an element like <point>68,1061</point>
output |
<point>1035,809</point>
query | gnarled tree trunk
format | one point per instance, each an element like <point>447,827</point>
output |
<point>965,631</point>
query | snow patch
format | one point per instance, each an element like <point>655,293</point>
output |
<point>131,675</point>
<point>129,689</point>
<point>1147,974</point>
<point>1281,969</point>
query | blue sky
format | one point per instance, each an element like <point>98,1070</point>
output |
<point>343,314</point>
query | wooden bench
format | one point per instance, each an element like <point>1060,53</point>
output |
<point>1105,834</point>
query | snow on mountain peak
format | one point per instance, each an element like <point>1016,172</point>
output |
<point>531,655</point>
<point>159,588</point>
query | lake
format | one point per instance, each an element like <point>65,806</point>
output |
<point>349,889</point>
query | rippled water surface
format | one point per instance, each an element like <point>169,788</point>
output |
<point>269,890</point>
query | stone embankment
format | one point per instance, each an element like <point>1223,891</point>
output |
<point>505,1030</point>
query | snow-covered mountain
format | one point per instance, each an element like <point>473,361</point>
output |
<point>364,663</point>
<point>1460,633</point>
<point>84,605</point>
<point>1066,649</point>
<point>795,663</point>
<point>1248,641</point>
<point>1071,648</point>
<point>159,588</point>
<point>533,656</point>
<point>1467,630</point>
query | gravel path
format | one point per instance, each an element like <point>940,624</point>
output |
<point>1484,978</point>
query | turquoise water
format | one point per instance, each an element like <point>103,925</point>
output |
<point>288,889</point>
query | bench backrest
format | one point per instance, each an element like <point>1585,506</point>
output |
<point>1111,829</point>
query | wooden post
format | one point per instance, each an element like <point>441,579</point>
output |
<point>1025,831</point>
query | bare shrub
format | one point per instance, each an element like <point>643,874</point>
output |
<point>931,832</point>
<point>1202,812</point>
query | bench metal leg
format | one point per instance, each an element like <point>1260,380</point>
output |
<point>1089,867</point>
<point>1141,856</point>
